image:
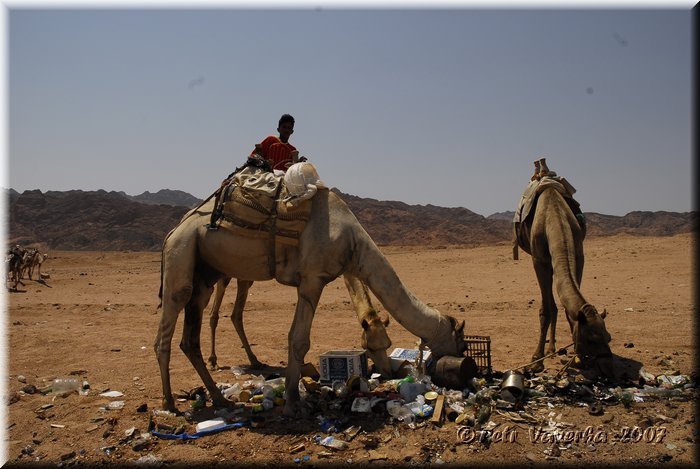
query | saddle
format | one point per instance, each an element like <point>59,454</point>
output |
<point>526,209</point>
<point>256,203</point>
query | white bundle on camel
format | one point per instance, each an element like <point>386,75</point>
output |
<point>302,181</point>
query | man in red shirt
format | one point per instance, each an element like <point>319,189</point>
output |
<point>277,150</point>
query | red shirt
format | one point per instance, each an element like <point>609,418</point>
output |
<point>277,152</point>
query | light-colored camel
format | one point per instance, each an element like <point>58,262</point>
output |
<point>556,247</point>
<point>374,339</point>
<point>32,259</point>
<point>333,243</point>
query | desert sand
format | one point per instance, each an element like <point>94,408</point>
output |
<point>96,318</point>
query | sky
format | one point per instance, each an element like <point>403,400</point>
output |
<point>446,106</point>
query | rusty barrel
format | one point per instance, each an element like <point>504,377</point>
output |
<point>454,372</point>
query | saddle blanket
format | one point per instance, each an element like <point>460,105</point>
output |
<point>260,204</point>
<point>534,188</point>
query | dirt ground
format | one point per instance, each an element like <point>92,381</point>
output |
<point>96,318</point>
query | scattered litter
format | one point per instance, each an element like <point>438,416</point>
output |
<point>112,394</point>
<point>211,425</point>
<point>194,436</point>
<point>115,405</point>
<point>331,442</point>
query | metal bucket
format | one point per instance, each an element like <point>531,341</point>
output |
<point>454,372</point>
<point>512,386</point>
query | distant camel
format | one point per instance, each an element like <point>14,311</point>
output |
<point>333,243</point>
<point>13,266</point>
<point>374,339</point>
<point>554,239</point>
<point>32,259</point>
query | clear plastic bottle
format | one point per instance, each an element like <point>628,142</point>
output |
<point>340,389</point>
<point>61,385</point>
<point>232,392</point>
<point>332,442</point>
<point>268,391</point>
<point>268,404</point>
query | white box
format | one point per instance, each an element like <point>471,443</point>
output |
<point>211,424</point>
<point>399,355</point>
<point>342,364</point>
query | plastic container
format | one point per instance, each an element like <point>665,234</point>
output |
<point>211,424</point>
<point>61,385</point>
<point>340,389</point>
<point>232,392</point>
<point>332,442</point>
<point>268,392</point>
<point>411,391</point>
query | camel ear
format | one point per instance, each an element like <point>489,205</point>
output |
<point>386,321</point>
<point>604,313</point>
<point>581,316</point>
<point>364,324</point>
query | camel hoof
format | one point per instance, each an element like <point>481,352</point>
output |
<point>536,368</point>
<point>169,405</point>
<point>256,365</point>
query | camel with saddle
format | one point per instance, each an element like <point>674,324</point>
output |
<point>550,226</point>
<point>300,240</point>
<point>374,338</point>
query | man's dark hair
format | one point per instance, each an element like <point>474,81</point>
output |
<point>285,118</point>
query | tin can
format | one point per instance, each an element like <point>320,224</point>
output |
<point>512,386</point>
<point>454,372</point>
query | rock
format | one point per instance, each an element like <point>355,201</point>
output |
<point>21,379</point>
<point>140,444</point>
<point>375,455</point>
<point>67,456</point>
<point>14,397</point>
<point>30,389</point>
<point>596,408</point>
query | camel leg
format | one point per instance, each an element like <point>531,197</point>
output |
<point>190,343</point>
<point>237,319</point>
<point>172,305</point>
<point>548,310</point>
<point>214,318</point>
<point>176,288</point>
<point>309,292</point>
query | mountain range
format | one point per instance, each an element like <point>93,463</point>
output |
<point>111,221</point>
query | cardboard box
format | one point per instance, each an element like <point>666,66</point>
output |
<point>401,355</point>
<point>342,364</point>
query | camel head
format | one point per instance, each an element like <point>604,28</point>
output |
<point>376,341</point>
<point>591,339</point>
<point>450,342</point>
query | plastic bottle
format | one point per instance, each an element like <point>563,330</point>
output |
<point>232,392</point>
<point>268,403</point>
<point>340,389</point>
<point>60,385</point>
<point>332,442</point>
<point>275,381</point>
<point>268,392</point>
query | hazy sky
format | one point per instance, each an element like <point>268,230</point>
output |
<point>427,106</point>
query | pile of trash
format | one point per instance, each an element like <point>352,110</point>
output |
<point>415,400</point>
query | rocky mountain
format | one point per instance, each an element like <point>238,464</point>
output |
<point>166,197</point>
<point>89,220</point>
<point>106,221</point>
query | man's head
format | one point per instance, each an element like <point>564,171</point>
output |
<point>285,127</point>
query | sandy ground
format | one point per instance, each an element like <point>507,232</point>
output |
<point>96,318</point>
